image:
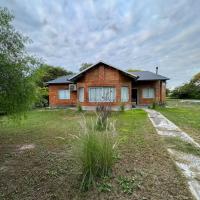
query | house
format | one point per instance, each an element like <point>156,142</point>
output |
<point>105,84</point>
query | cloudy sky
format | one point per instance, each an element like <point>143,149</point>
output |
<point>138,34</point>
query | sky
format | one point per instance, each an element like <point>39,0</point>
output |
<point>137,34</point>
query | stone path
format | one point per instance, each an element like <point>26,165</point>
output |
<point>188,163</point>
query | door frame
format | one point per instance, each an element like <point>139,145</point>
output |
<point>137,100</point>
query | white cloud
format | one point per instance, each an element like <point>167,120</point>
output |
<point>138,34</point>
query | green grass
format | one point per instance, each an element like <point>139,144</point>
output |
<point>184,115</point>
<point>51,171</point>
<point>96,153</point>
<point>178,144</point>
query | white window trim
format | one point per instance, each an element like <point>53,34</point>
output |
<point>148,96</point>
<point>67,96</point>
<point>103,90</point>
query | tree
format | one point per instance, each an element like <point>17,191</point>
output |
<point>43,74</point>
<point>17,91</point>
<point>196,79</point>
<point>133,70</point>
<point>167,92</point>
<point>85,66</point>
<point>189,90</point>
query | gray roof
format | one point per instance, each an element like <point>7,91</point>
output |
<point>59,80</point>
<point>139,76</point>
<point>148,76</point>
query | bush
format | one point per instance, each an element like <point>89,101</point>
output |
<point>154,105</point>
<point>122,107</point>
<point>96,153</point>
<point>79,108</point>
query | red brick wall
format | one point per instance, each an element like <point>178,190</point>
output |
<point>54,101</point>
<point>104,76</point>
<point>163,91</point>
<point>159,88</point>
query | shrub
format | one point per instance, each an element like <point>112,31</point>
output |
<point>122,107</point>
<point>96,153</point>
<point>79,108</point>
<point>154,105</point>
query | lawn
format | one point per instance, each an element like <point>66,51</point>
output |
<point>49,170</point>
<point>184,114</point>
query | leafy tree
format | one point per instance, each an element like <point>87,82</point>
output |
<point>133,70</point>
<point>167,92</point>
<point>196,79</point>
<point>17,91</point>
<point>43,74</point>
<point>189,90</point>
<point>85,66</point>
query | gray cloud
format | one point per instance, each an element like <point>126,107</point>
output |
<point>137,34</point>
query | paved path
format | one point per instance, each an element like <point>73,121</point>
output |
<point>188,163</point>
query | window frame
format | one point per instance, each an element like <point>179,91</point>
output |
<point>102,88</point>
<point>83,94</point>
<point>148,97</point>
<point>128,95</point>
<point>67,96</point>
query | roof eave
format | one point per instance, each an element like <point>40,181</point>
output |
<point>155,79</point>
<point>79,74</point>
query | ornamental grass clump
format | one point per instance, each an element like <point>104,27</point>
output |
<point>96,151</point>
<point>102,121</point>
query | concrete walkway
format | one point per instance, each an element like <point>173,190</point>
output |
<point>188,163</point>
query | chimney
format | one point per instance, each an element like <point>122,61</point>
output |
<point>156,70</point>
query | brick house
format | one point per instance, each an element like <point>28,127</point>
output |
<point>102,84</point>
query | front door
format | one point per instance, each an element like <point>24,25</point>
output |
<point>135,96</point>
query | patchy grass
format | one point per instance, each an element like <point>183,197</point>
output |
<point>49,170</point>
<point>129,185</point>
<point>179,144</point>
<point>185,115</point>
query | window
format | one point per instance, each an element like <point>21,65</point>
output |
<point>124,94</point>
<point>148,93</point>
<point>81,94</point>
<point>63,94</point>
<point>101,94</point>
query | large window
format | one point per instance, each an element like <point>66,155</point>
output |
<point>63,94</point>
<point>81,94</point>
<point>148,93</point>
<point>124,94</point>
<point>101,94</point>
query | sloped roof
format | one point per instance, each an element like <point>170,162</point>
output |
<point>138,76</point>
<point>148,76</point>
<point>59,80</point>
<point>101,62</point>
